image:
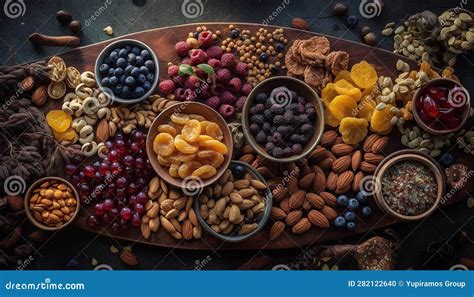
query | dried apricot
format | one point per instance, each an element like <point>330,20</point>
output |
<point>343,106</point>
<point>202,138</point>
<point>164,161</point>
<point>353,130</point>
<point>197,117</point>
<point>204,125</point>
<point>366,107</point>
<point>59,120</point>
<point>344,74</point>
<point>167,129</point>
<point>343,87</point>
<point>188,168</point>
<point>215,145</point>
<point>185,147</point>
<point>213,130</point>
<point>185,157</point>
<point>330,119</point>
<point>191,130</point>
<point>328,93</point>
<point>380,120</point>
<point>204,172</point>
<point>210,157</point>
<point>163,144</point>
<point>364,75</point>
<point>67,135</point>
<point>180,118</point>
<point>173,170</point>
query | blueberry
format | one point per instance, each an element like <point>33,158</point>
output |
<point>113,80</point>
<point>261,97</point>
<point>122,79</point>
<point>351,21</point>
<point>130,81</point>
<point>196,35</point>
<point>107,60</point>
<point>121,62</point>
<point>146,86</point>
<point>447,160</point>
<point>362,196</point>
<point>139,61</point>
<point>342,200</point>
<point>118,72</point>
<point>144,70</point>
<point>131,58</point>
<point>141,79</point>
<point>349,216</point>
<point>105,82</point>
<point>340,222</point>
<point>123,53</point>
<point>235,33</point>
<point>126,91</point>
<point>351,226</point>
<point>150,77</point>
<point>149,64</point>
<point>104,68</point>
<point>366,211</point>
<point>136,50</point>
<point>280,47</point>
<point>135,71</point>
<point>138,92</point>
<point>128,69</point>
<point>238,171</point>
<point>111,72</point>
<point>145,54</point>
<point>353,203</point>
<point>118,89</point>
<point>113,56</point>
<point>263,57</point>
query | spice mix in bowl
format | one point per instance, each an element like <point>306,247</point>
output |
<point>409,185</point>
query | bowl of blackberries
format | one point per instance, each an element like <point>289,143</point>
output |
<point>283,119</point>
<point>127,70</point>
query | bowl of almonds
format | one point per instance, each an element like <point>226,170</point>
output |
<point>51,203</point>
<point>236,206</point>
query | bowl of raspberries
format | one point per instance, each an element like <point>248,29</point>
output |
<point>283,119</point>
<point>127,70</point>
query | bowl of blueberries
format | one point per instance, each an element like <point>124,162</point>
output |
<point>283,119</point>
<point>127,70</point>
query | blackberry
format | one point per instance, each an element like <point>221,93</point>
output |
<point>267,114</point>
<point>269,138</point>
<point>303,118</point>
<point>273,129</point>
<point>294,95</point>
<point>277,109</point>
<point>287,151</point>
<point>268,105</point>
<point>261,98</point>
<point>258,119</point>
<point>293,107</point>
<point>296,148</point>
<point>295,138</point>
<point>269,147</point>
<point>259,108</point>
<point>289,116</point>
<point>306,128</point>
<point>304,139</point>
<point>261,137</point>
<point>277,152</point>
<point>309,105</point>
<point>278,120</point>
<point>301,100</point>
<point>301,108</point>
<point>266,126</point>
<point>276,137</point>
<point>253,110</point>
<point>254,128</point>
<point>284,130</point>
<point>311,113</point>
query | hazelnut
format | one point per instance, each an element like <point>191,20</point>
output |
<point>370,39</point>
<point>339,9</point>
<point>64,17</point>
<point>75,26</point>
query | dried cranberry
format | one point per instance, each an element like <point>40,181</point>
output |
<point>430,107</point>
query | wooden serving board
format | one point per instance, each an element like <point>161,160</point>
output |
<point>162,41</point>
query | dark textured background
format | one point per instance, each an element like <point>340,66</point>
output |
<point>127,16</point>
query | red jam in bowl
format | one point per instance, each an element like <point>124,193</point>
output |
<point>443,107</point>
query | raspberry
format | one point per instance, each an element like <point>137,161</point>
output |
<point>180,94</point>
<point>179,80</point>
<point>228,98</point>
<point>190,95</point>
<point>226,111</point>
<point>182,48</point>
<point>214,102</point>
<point>199,73</point>
<point>246,88</point>
<point>173,70</point>
<point>205,39</point>
<point>240,103</point>
<point>276,137</point>
<point>214,52</point>
<point>241,69</point>
<point>214,63</point>
<point>295,138</point>
<point>223,75</point>
<point>198,56</point>
<point>187,60</point>
<point>227,60</point>
<point>192,82</point>
<point>235,84</point>
<point>261,137</point>
<point>167,87</point>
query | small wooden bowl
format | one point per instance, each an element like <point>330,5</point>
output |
<point>29,194</point>
<point>188,107</point>
<point>440,82</point>
<point>303,90</point>
<point>408,155</point>
<point>266,213</point>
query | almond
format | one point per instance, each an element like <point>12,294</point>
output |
<point>259,185</point>
<point>302,226</point>
<point>285,205</point>
<point>37,236</point>
<point>343,190</point>
<point>305,169</point>
<point>367,167</point>
<point>356,159</point>
<point>338,140</point>
<point>329,213</point>
<point>344,180</point>
<point>297,199</point>
<point>39,96</point>
<point>341,164</point>
<point>241,184</point>
<point>247,158</point>
<point>146,231</point>
<point>319,183</point>
<point>27,83</point>
<point>373,158</point>
<point>356,181</point>
<point>187,229</point>
<point>277,213</point>
<point>102,132</point>
<point>299,23</point>
<point>315,200</point>
<point>317,155</point>
<point>293,217</point>
<point>328,138</point>
<point>307,181</point>
<point>277,230</point>
<point>293,185</point>
<point>318,219</point>
<point>248,149</point>
<point>279,193</point>
<point>15,202</point>
<point>379,145</point>
<point>128,258</point>
<point>306,205</point>
<point>329,199</point>
<point>326,164</point>
<point>341,149</point>
<point>331,181</point>
<point>369,142</point>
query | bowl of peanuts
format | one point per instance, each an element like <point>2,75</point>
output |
<point>51,203</point>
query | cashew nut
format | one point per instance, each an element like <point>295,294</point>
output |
<point>90,105</point>
<point>87,139</point>
<point>78,124</point>
<point>89,149</point>
<point>104,100</point>
<point>104,112</point>
<point>90,120</point>
<point>86,130</point>
<point>88,78</point>
<point>102,150</point>
<point>128,129</point>
<point>69,96</point>
<point>112,129</point>
<point>82,91</point>
<point>67,109</point>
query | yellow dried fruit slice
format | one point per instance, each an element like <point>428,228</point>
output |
<point>187,168</point>
<point>366,107</point>
<point>380,120</point>
<point>180,118</point>
<point>185,147</point>
<point>67,135</point>
<point>191,130</point>
<point>330,119</point>
<point>204,172</point>
<point>58,120</point>
<point>364,75</point>
<point>213,130</point>
<point>173,170</point>
<point>353,130</point>
<point>202,138</point>
<point>343,87</point>
<point>215,145</point>
<point>344,74</point>
<point>328,93</point>
<point>343,106</point>
<point>197,117</point>
<point>167,129</point>
<point>163,144</point>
